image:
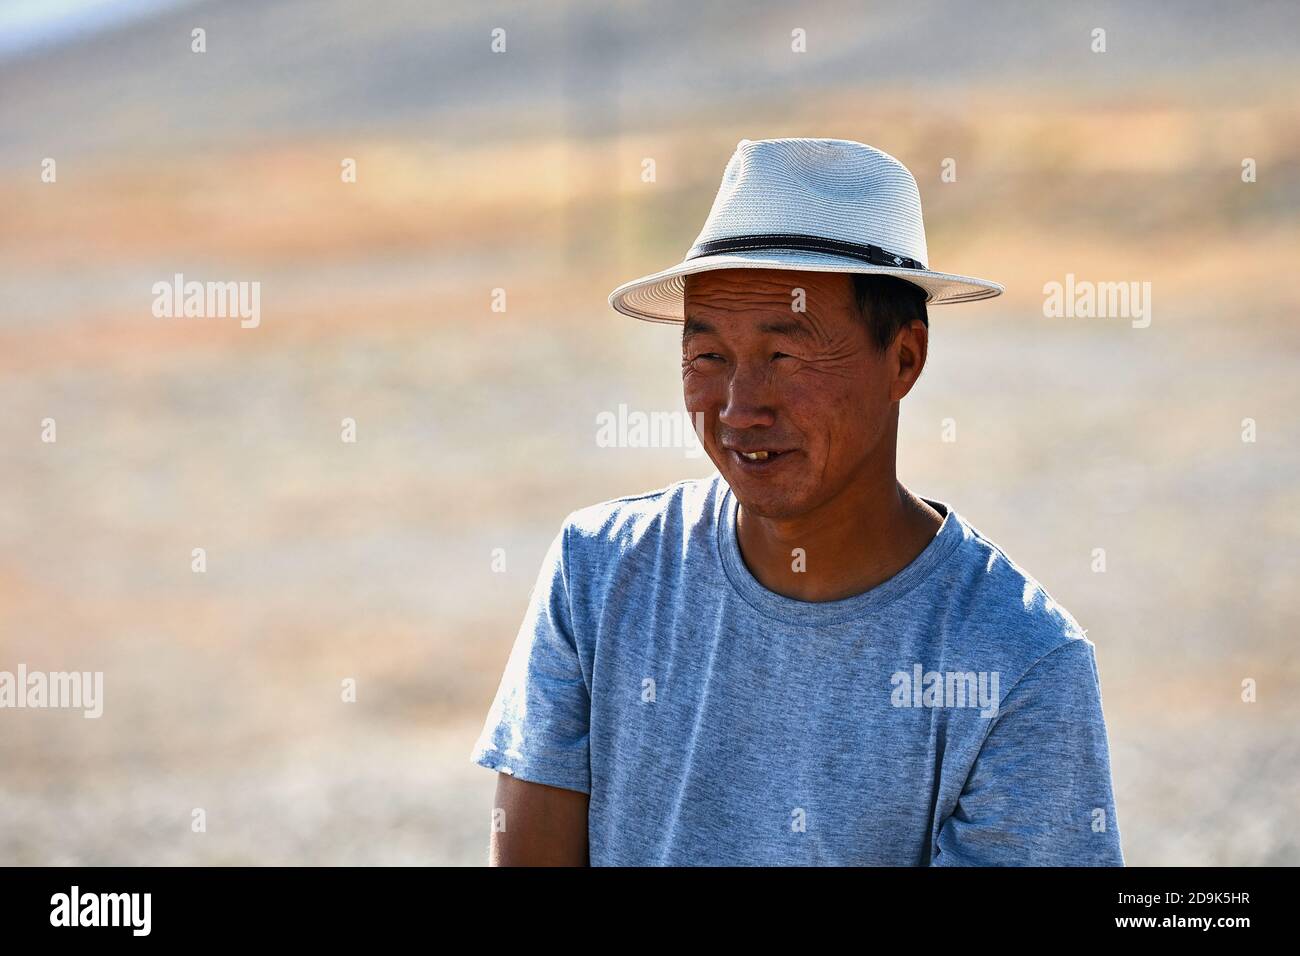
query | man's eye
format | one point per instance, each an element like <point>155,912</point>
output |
<point>777,355</point>
<point>710,356</point>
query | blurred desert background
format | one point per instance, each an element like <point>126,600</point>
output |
<point>476,429</point>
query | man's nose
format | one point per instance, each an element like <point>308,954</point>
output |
<point>750,399</point>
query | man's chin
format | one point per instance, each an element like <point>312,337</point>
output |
<point>765,499</point>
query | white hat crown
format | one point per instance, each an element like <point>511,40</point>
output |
<point>828,188</point>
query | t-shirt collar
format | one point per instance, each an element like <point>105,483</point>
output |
<point>821,613</point>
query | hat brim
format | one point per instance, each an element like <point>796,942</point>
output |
<point>658,297</point>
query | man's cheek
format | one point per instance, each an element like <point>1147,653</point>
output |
<point>695,393</point>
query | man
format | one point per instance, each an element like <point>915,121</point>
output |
<point>797,660</point>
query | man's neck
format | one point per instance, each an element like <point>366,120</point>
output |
<point>859,540</point>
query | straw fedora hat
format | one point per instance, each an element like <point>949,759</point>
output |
<point>812,205</point>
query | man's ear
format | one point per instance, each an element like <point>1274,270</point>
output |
<point>907,358</point>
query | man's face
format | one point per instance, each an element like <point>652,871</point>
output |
<point>807,387</point>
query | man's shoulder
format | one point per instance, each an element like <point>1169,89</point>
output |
<point>620,523</point>
<point>1008,607</point>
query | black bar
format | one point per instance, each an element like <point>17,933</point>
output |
<point>306,905</point>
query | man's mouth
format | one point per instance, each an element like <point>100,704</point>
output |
<point>759,457</point>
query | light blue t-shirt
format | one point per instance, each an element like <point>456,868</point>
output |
<point>948,716</point>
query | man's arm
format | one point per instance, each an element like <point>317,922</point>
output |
<point>1039,793</point>
<point>543,826</point>
<point>537,731</point>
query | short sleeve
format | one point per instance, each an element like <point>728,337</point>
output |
<point>539,723</point>
<point>1040,792</point>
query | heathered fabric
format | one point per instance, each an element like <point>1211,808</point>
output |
<point>715,722</point>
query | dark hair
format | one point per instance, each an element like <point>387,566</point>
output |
<point>888,304</point>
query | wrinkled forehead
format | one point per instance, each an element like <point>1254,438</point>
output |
<point>818,308</point>
<point>782,291</point>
